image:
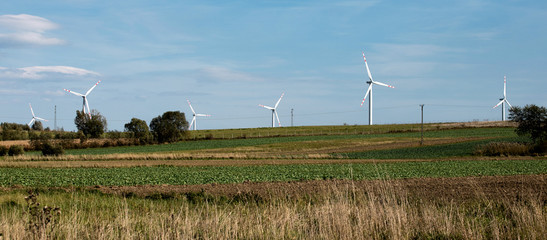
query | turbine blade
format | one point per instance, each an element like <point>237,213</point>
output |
<point>504,86</point>
<point>75,93</point>
<point>383,84</point>
<point>366,95</point>
<point>279,100</point>
<point>508,103</point>
<point>31,110</point>
<point>202,115</point>
<point>192,123</point>
<point>368,70</point>
<point>91,89</point>
<point>41,119</point>
<point>191,108</point>
<point>498,103</point>
<point>277,118</point>
<point>30,123</point>
<point>267,107</point>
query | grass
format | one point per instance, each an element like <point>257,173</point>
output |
<point>171,175</point>
<point>378,211</point>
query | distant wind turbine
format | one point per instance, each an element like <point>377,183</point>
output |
<point>195,115</point>
<point>369,91</point>
<point>33,117</point>
<point>84,96</point>
<point>504,99</point>
<point>274,111</point>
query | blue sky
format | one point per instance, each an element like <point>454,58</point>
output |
<point>227,57</point>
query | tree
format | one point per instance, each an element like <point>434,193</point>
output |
<point>139,129</point>
<point>169,127</point>
<point>37,126</point>
<point>93,127</point>
<point>532,121</point>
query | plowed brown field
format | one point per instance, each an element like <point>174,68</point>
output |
<point>456,189</point>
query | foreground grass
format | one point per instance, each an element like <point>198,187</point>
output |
<point>173,175</point>
<point>378,211</point>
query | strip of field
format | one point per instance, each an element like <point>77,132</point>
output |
<point>173,175</point>
<point>455,189</point>
<point>233,143</point>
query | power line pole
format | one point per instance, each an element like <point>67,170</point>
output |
<point>55,121</point>
<point>292,117</point>
<point>422,139</point>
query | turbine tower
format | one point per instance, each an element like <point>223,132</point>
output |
<point>369,91</point>
<point>274,111</point>
<point>195,115</point>
<point>33,117</point>
<point>503,100</point>
<point>84,96</point>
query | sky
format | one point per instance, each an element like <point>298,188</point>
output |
<point>227,57</point>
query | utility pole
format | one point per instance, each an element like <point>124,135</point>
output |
<point>422,139</point>
<point>292,116</point>
<point>55,121</point>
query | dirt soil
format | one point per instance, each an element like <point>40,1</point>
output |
<point>457,189</point>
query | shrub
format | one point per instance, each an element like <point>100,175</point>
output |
<point>503,149</point>
<point>16,150</point>
<point>3,150</point>
<point>49,149</point>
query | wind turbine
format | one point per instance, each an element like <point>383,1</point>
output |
<point>504,99</point>
<point>369,91</point>
<point>33,117</point>
<point>84,96</point>
<point>274,111</point>
<point>195,115</point>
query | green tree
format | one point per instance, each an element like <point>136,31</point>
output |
<point>37,126</point>
<point>532,121</point>
<point>139,129</point>
<point>169,127</point>
<point>93,126</point>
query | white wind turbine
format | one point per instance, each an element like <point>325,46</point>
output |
<point>369,91</point>
<point>274,111</point>
<point>84,96</point>
<point>504,99</point>
<point>195,115</point>
<point>34,118</point>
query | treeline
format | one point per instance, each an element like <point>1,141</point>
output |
<point>92,132</point>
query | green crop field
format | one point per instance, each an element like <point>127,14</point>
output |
<point>58,177</point>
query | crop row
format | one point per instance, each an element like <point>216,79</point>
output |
<point>263,173</point>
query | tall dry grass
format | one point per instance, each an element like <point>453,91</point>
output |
<point>380,211</point>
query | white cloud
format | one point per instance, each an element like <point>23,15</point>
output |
<point>38,72</point>
<point>26,30</point>
<point>25,22</point>
<point>27,38</point>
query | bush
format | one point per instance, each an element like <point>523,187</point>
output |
<point>49,149</point>
<point>503,149</point>
<point>16,150</point>
<point>3,150</point>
